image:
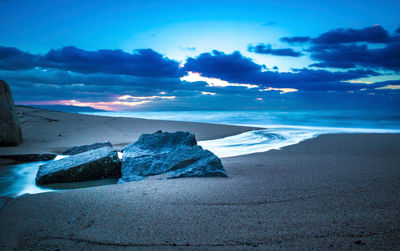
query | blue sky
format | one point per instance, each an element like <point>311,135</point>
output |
<point>51,48</point>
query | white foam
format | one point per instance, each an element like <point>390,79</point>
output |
<point>275,137</point>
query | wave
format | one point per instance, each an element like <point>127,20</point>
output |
<point>274,138</point>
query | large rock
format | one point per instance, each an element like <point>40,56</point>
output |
<point>80,149</point>
<point>10,130</point>
<point>176,154</point>
<point>91,165</point>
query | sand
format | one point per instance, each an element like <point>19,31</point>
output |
<point>50,131</point>
<point>331,192</point>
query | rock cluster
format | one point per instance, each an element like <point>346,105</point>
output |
<point>174,154</point>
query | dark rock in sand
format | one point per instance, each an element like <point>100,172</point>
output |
<point>91,165</point>
<point>10,130</point>
<point>20,158</point>
<point>176,154</point>
<point>80,149</point>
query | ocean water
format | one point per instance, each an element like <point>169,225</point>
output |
<point>341,119</point>
<point>281,129</point>
<point>19,179</point>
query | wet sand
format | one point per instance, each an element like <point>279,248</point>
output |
<point>331,192</point>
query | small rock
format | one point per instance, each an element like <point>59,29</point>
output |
<point>359,242</point>
<point>91,165</point>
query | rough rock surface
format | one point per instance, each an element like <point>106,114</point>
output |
<point>176,154</point>
<point>91,165</point>
<point>10,130</point>
<point>85,148</point>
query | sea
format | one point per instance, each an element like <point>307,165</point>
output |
<point>280,129</point>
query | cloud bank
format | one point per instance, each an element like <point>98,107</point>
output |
<point>215,80</point>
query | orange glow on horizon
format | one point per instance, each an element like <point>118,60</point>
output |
<point>108,106</point>
<point>120,103</point>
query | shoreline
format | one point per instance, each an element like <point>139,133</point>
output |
<point>50,131</point>
<point>47,132</point>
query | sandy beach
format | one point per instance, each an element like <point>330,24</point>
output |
<point>338,191</point>
<point>51,131</point>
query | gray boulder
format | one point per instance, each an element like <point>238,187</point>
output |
<point>176,154</point>
<point>80,149</point>
<point>10,130</point>
<point>91,165</point>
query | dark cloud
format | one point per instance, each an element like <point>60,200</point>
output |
<point>373,34</point>
<point>236,68</point>
<point>397,30</point>
<point>267,49</point>
<point>62,78</point>
<point>295,40</point>
<point>219,63</point>
<point>143,62</point>
<point>14,59</point>
<point>372,47</point>
<point>352,55</point>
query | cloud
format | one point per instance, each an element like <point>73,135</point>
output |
<point>235,68</point>
<point>267,49</point>
<point>217,64</point>
<point>64,78</point>
<point>146,80</point>
<point>281,90</point>
<point>372,34</point>
<point>353,55</point>
<point>14,59</point>
<point>370,47</point>
<point>143,62</point>
<point>295,40</point>
<point>214,82</point>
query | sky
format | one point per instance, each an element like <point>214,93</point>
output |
<point>202,55</point>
